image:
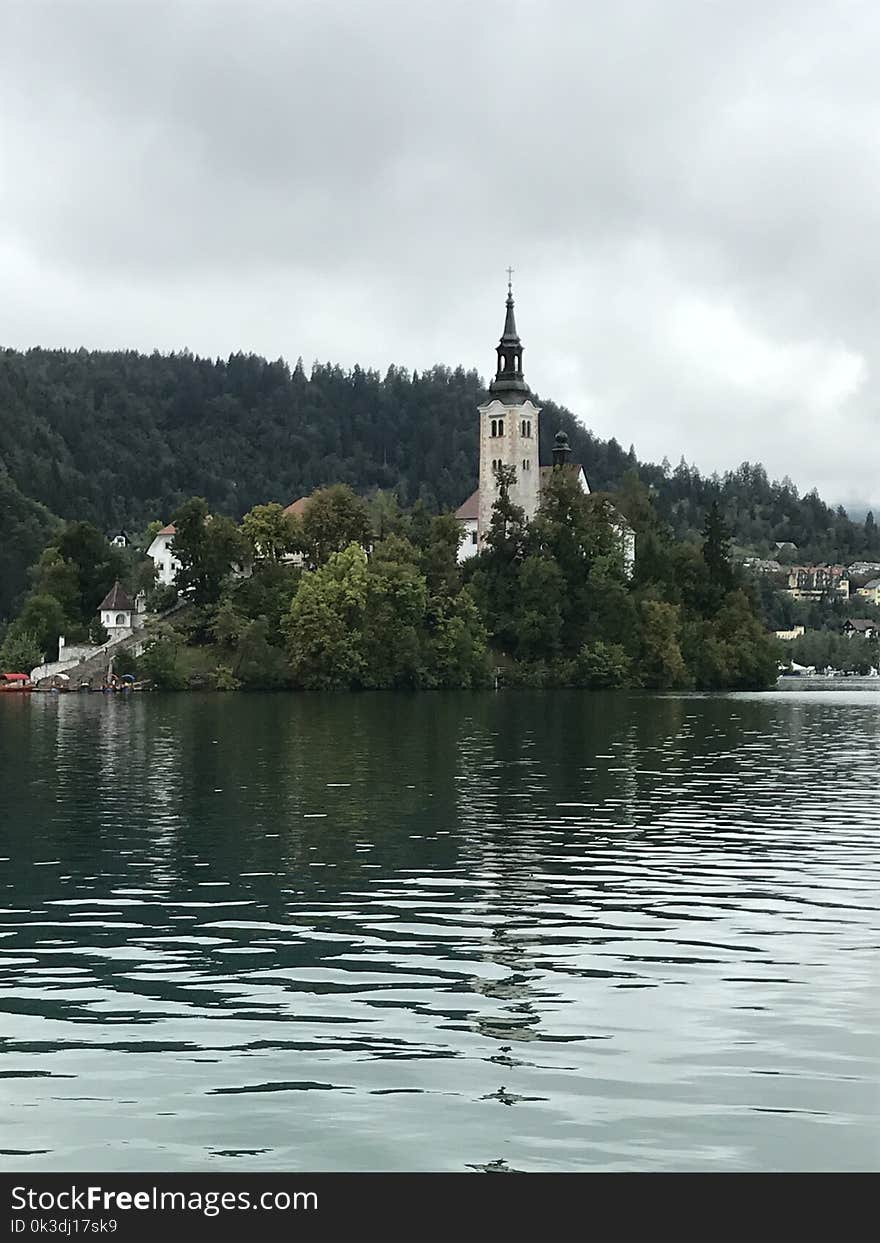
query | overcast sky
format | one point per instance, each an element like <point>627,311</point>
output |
<point>688,191</point>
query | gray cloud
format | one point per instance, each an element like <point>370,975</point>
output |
<point>689,192</point>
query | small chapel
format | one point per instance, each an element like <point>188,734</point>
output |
<point>509,436</point>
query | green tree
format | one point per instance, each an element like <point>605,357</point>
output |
<point>20,652</point>
<point>334,519</point>
<point>661,664</point>
<point>494,572</point>
<point>160,663</point>
<point>97,563</point>
<point>392,625</point>
<point>716,548</point>
<point>601,666</point>
<point>208,548</point>
<point>385,515</point>
<point>98,633</point>
<point>259,665</point>
<point>540,608</point>
<point>43,618</point>
<point>324,624</point>
<point>437,542</point>
<point>575,531</point>
<point>229,624</point>
<point>457,646</point>
<point>270,532</point>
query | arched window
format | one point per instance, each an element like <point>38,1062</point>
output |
<point>493,431</point>
<point>501,427</point>
<point>120,619</point>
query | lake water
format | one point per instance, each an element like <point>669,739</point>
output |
<point>520,931</point>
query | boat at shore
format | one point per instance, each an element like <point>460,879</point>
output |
<point>15,683</point>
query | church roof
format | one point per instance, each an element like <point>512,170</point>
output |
<point>470,510</point>
<point>574,467</point>
<point>116,598</point>
<point>509,384</point>
<point>298,508</point>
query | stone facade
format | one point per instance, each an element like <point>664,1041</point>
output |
<point>508,437</point>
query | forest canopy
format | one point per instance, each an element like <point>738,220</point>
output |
<point>122,439</point>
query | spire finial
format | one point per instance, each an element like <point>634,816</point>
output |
<point>509,376</point>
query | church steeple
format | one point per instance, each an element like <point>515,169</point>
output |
<point>509,384</point>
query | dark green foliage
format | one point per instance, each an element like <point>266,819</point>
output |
<point>20,651</point>
<point>98,633</point>
<point>162,598</point>
<point>160,663</point>
<point>122,439</point>
<point>208,547</point>
<point>43,618</point>
<point>78,569</point>
<point>259,664</point>
<point>374,624</point>
<point>562,612</point>
<point>25,528</point>
<point>829,649</point>
<point>270,532</point>
<point>334,519</point>
<point>716,549</point>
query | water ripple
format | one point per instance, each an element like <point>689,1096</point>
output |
<point>486,932</point>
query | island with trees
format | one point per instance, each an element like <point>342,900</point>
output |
<point>363,594</point>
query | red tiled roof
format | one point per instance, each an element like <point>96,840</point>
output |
<point>469,511</point>
<point>298,508</point>
<point>171,529</point>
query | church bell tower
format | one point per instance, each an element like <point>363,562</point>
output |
<point>508,428</point>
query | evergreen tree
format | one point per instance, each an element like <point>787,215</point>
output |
<point>716,548</point>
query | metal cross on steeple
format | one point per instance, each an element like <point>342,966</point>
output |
<point>509,279</point>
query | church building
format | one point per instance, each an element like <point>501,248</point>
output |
<point>510,436</point>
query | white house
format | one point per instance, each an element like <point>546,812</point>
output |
<point>510,436</point>
<point>162,557</point>
<point>117,612</point>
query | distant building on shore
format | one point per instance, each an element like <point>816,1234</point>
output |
<point>812,582</point>
<point>870,592</point>
<point>862,627</point>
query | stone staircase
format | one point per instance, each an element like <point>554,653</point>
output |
<point>96,667</point>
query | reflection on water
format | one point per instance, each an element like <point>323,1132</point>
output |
<point>512,931</point>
